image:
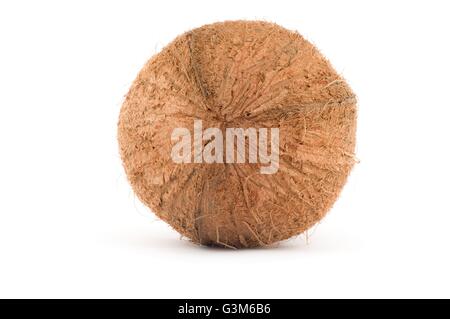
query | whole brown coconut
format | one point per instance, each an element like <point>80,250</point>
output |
<point>239,74</point>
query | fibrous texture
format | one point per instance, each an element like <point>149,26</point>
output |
<point>239,74</point>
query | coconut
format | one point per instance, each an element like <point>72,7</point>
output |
<point>249,75</point>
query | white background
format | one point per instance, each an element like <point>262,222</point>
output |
<point>70,225</point>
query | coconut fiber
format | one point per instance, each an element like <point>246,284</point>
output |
<point>239,74</point>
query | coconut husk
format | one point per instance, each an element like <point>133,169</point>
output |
<point>239,74</point>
